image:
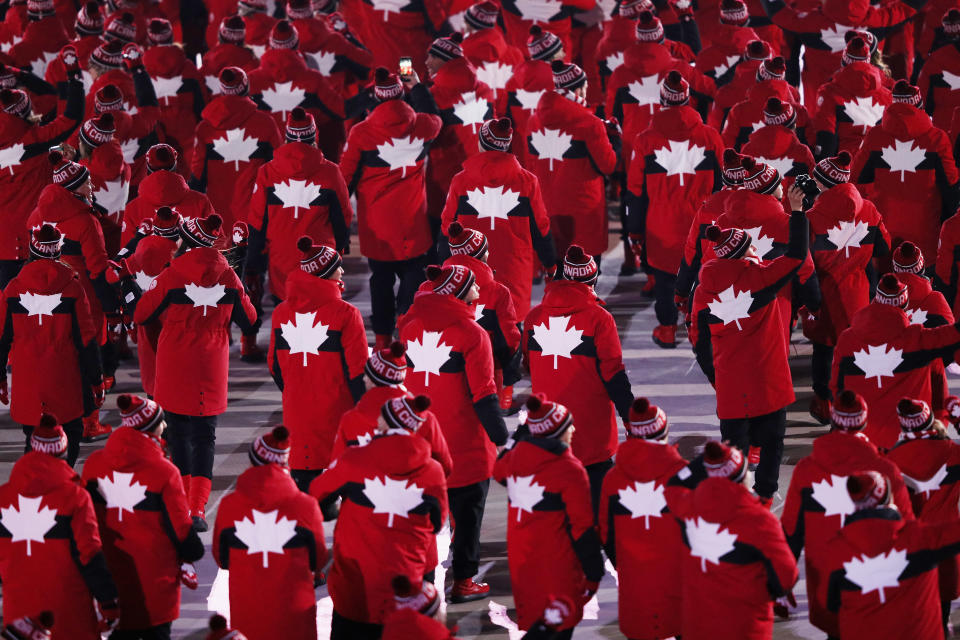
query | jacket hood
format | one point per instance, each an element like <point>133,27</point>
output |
<point>481,270</point>
<point>127,448</point>
<point>13,128</point>
<point>536,76</point>
<point>153,254</point>
<point>229,112</point>
<point>555,111</point>
<point>676,122</point>
<point>566,296</point>
<point>619,32</point>
<point>645,460</point>
<point>760,92</point>
<point>58,204</point>
<point>45,276</point>
<point>837,451</point>
<point>879,322</point>
<point>205,261</point>
<point>842,201</point>
<point>858,78</point>
<point>297,159</point>
<point>307,292</point>
<point>918,287</point>
<point>400,454</point>
<point>161,187</point>
<point>282,64</point>
<point>872,531</point>
<point>487,45</point>
<point>720,500</point>
<point>438,310</point>
<point>929,457</point>
<point>905,121</point>
<point>717,275</point>
<point>372,401</point>
<point>647,56</point>
<point>494,167</point>
<point>458,75</point>
<point>267,486</point>
<point>532,455</point>
<point>395,118</point>
<point>37,474</point>
<point>166,60</point>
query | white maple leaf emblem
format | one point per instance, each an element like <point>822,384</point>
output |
<point>731,306</point>
<point>494,75</point>
<point>708,541</point>
<point>952,80</point>
<point>121,493</point>
<point>917,316</point>
<point>266,533</point>
<point>538,10</point>
<point>38,304</point>
<point>557,337</point>
<point>528,99</point>
<point>11,156</point>
<point>471,110</point>
<point>831,494</point>
<point>364,439</point>
<point>643,500</point>
<point>680,157</point>
<point>847,234</point>
<point>167,88</point>
<point>428,354</point>
<point>113,195</point>
<point>478,312</point>
<point>28,522</point>
<point>615,61</point>
<point>646,91</point>
<point>876,573</point>
<point>235,147</point>
<point>876,361</point>
<point>551,144</point>
<point>524,493</point>
<point>144,281</point>
<point>928,486</point>
<point>863,111</point>
<point>834,37</point>
<point>39,66</point>
<point>725,66</point>
<point>129,148</point>
<point>324,61</point>
<point>204,296</point>
<point>903,157</point>
<point>213,84</point>
<point>493,203</point>
<point>389,6</point>
<point>762,243</point>
<point>296,194</point>
<point>302,336</point>
<point>283,97</point>
<point>782,165</point>
<point>393,497</point>
<point>401,153</point>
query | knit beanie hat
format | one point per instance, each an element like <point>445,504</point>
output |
<point>160,31</point>
<point>284,36</point>
<point>914,415</point>
<point>166,223</point>
<point>578,266</point>
<point>848,412</point>
<point>387,367</point>
<point>424,598</point>
<point>232,30</point>
<point>318,259</point>
<point>760,177</point>
<point>868,490</point>
<point>89,20</point>
<point>833,171</point>
<point>857,50</point>
<point>161,157</point>
<point>567,75</point>
<point>8,79</point>
<point>647,421</point>
<point>405,412</point>
<point>98,131</point>
<point>482,15</point>
<point>906,93</point>
<point>757,50</point>
<point>951,23</point>
<point>329,10</point>
<point>891,291</point>
<point>108,55</point>
<point>301,127</point>
<point>67,173</point>
<point>121,28</point>
<point>631,9</point>
<point>37,9</point>
<point>542,45</point>
<point>16,102</point>
<point>447,48</point>
<point>454,280</point>
<point>721,461</point>
<point>779,113</point>
<point>907,258</point>
<point>674,90</point>
<point>546,419</point>
<point>108,98</point>
<point>733,172</point>
<point>48,437</point>
<point>46,242</point>
<point>299,10</point>
<point>234,81</point>
<point>865,35</point>
<point>29,627</point>
<point>220,631</point>
<point>465,242</point>
<point>201,232</point>
<point>143,414</point>
<point>386,85</point>
<point>733,12</point>
<point>649,28</point>
<point>496,135</point>
<point>728,243</point>
<point>258,6</point>
<point>271,448</point>
<point>772,69</point>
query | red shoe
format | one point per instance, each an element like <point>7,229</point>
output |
<point>665,335</point>
<point>820,409</point>
<point>506,398</point>
<point>250,351</point>
<point>93,430</point>
<point>647,290</point>
<point>468,591</point>
<point>384,340</point>
<point>753,458</point>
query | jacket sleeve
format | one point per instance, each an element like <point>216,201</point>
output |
<point>354,344</point>
<point>273,362</point>
<point>176,513</point>
<point>342,225</point>
<point>151,303</point>
<point>945,274</point>
<point>333,479</point>
<point>792,517</point>
<point>438,445</point>
<point>244,313</point>
<point>600,150</point>
<point>198,161</point>
<point>6,335</point>
<point>637,202</point>
<point>610,364</point>
<point>483,389</point>
<point>314,522</point>
<point>702,335</point>
<point>450,205</point>
<point>781,566</point>
<point>540,225</point>
<point>258,218</point>
<point>88,551</point>
<point>63,126</point>
<point>350,162</point>
<point>606,518</point>
<point>215,550</point>
<point>583,532</point>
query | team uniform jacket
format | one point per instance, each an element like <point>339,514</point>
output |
<point>519,15</point>
<point>937,77</point>
<point>338,59</point>
<point>262,577</point>
<point>948,259</point>
<point>42,40</point>
<point>494,61</point>
<point>747,115</point>
<point>780,147</point>
<point>223,55</point>
<point>110,176</point>
<point>162,189</point>
<point>397,30</point>
<point>727,44</point>
<point>195,299</point>
<point>744,77</point>
<point>180,93</point>
<point>853,101</point>
<point>531,79</point>
<point>929,308</point>
<point>697,245</point>
<point>56,73</point>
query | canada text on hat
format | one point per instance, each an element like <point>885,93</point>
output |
<point>951,23</point>
<point>233,81</point>
<point>108,55</point>
<point>386,85</point>
<point>868,490</point>
<point>122,28</point>
<point>299,10</point>
<point>760,177</point>
<point>833,171</point>
<point>405,412</point>
<point>447,48</point>
<point>301,127</point>
<point>646,420</point>
<point>905,93</point>
<point>201,232</point>
<point>232,30</point>
<point>728,243</point>
<point>46,242</point>
<point>914,415</point>
<point>631,9</point>
<point>387,367</point>
<point>425,599</point>
<point>8,79</point>
<point>15,102</point>
<point>318,259</point>
<point>542,45</point>
<point>567,75</point>
<point>546,419</point>
<point>733,171</point>
<point>465,242</point>
<point>89,20</point>
<point>721,461</point>
<point>848,412</point>
<point>772,69</point>
<point>29,627</point>
<point>108,98</point>
<point>452,280</point>
<point>496,134</point>
<point>649,28</point>
<point>37,9</point>
<point>67,173</point>
<point>142,414</point>
<point>48,437</point>
<point>891,291</point>
<point>98,131</point>
<point>907,258</point>
<point>284,36</point>
<point>578,266</point>
<point>674,90</point>
<point>779,113</point>
<point>733,12</point>
<point>166,223</point>
<point>482,15</point>
<point>271,448</point>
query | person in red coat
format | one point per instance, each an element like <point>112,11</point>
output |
<point>777,144</point>
<point>552,543</point>
<point>51,557</point>
<point>755,54</point>
<point>195,299</point>
<point>102,155</point>
<point>728,39</point>
<point>297,193</point>
<point>43,36</point>
<point>56,364</point>
<point>675,166</point>
<point>487,50</point>
<point>531,79</point>
<point>747,115</point>
<point>520,15</point>
<point>453,363</point>
<point>394,503</point>
<point>817,496</point>
<point>936,81</point>
<point>229,51</point>
<point>639,534</point>
<point>572,349</point>
<point>384,163</point>
<point>269,535</point>
<point>390,30</point>
<point>144,520</point>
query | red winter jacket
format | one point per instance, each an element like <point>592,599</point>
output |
<point>394,502</point>
<point>392,30</point>
<point>494,62</point>
<point>451,361</point>
<point>853,101</point>
<point>195,298</point>
<point>675,166</point>
<point>145,525</point>
<point>384,163</point>
<point>929,308</point>
<point>180,91</point>
<point>948,260</point>
<point>55,358</point>
<point>493,186</point>
<point>225,55</point>
<point>152,256</point>
<point>163,189</point>
<point>746,116</point>
<point>780,148</point>
<point>643,540</point>
<point>697,245</point>
<point>573,352</point>
<point>531,79</point>
<point>41,43</point>
<point>906,168</point>
<point>315,321</point>
<point>269,535</point>
<point>571,154</point>
<point>519,15</point>
<point>110,177</point>
<point>728,42</point>
<point>50,553</point>
<point>817,494</point>
<point>339,60</point>
<point>938,83</point>
<point>56,73</point>
<point>233,141</point>
<point>552,542</point>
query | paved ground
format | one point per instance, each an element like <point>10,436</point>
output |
<point>670,378</point>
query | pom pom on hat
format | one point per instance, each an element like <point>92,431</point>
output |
<point>455,280</point>
<point>234,81</point>
<point>48,437</point>
<point>271,448</point>
<point>318,259</point>
<point>465,242</point>
<point>674,90</point>
<point>284,36</point>
<point>758,50</point>
<point>89,20</point>
<point>833,171</point>
<point>733,172</point>
<point>161,157</point>
<point>914,415</point>
<point>649,27</point>
<point>405,412</point>
<point>646,421</point>
<point>482,15</point>
<point>578,266</point>
<point>232,30</point>
<point>496,134</point>
<point>728,243</point>
<point>721,461</point>
<point>891,291</point>
<point>386,85</point>
<point>907,258</point>
<point>546,419</point>
<point>857,50</point>
<point>301,127</point>
<point>142,414</point>
<point>201,232</point>
<point>868,490</point>
<point>542,45</point>
<point>387,367</point>
<point>772,69</point>
<point>46,242</point>
<point>906,93</point>
<point>848,412</point>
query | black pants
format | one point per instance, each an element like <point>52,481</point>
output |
<point>303,478</point>
<point>9,270</point>
<point>384,303</point>
<point>663,291</point>
<point>74,431</point>
<point>191,442</point>
<point>466,514</point>
<point>766,432</point>
<point>821,363</point>
<point>159,632</point>
<point>596,472</point>
<point>345,629</point>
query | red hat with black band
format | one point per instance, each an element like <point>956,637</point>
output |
<point>318,259</point>
<point>546,419</point>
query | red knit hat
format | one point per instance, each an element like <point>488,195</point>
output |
<point>447,48</point>
<point>49,437</point>
<point>8,78</point>
<point>259,6</point>
<point>201,232</point>
<point>733,12</point>
<point>728,243</point>
<point>721,461</point>
<point>482,15</point>
<point>220,631</point>
<point>465,242</point>
<point>234,81</point>
<point>848,412</point>
<point>425,599</point>
<point>649,28</point>
<point>239,233</point>
<point>833,171</point>
<point>405,412</point>
<point>631,9</point>
<point>578,266</point>
<point>674,90</point>
<point>779,113</point>
<point>67,173</point>
<point>232,30</point>
<point>757,50</point>
<point>865,35</point>
<point>160,31</point>
<point>914,415</point>
<point>299,10</point>
<point>546,419</point>
<point>161,157</point>
<point>868,490</point>
<point>98,131</point>
<point>37,9</point>
<point>143,414</point>
<point>891,291</point>
<point>542,45</point>
<point>907,258</point>
<point>453,280</point>
<point>271,448</point>
<point>772,69</point>
<point>329,10</point>
<point>760,178</point>
<point>89,20</point>
<point>906,93</point>
<point>567,75</point>
<point>386,85</point>
<point>284,36</point>
<point>857,50</point>
<point>496,135</point>
<point>318,259</point>
<point>301,127</point>
<point>121,28</point>
<point>46,242</point>
<point>16,102</point>
<point>951,23</point>
<point>387,367</point>
<point>166,223</point>
<point>108,55</point>
<point>108,98</point>
<point>733,172</point>
<point>647,421</point>
<point>29,627</point>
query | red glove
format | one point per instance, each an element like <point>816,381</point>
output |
<point>99,395</point>
<point>684,9</point>
<point>145,228</point>
<point>132,56</point>
<point>783,605</point>
<point>558,612</point>
<point>240,233</point>
<point>68,56</point>
<point>116,271</point>
<point>108,615</point>
<point>188,576</point>
<point>114,328</point>
<point>4,392</point>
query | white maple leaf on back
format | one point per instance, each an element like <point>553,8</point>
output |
<point>834,37</point>
<point>876,573</point>
<point>831,494</point>
<point>204,296</point>
<point>557,337</point>
<point>401,153</point>
<point>725,66</point>
<point>494,74</point>
<point>296,194</point>
<point>762,243</point>
<point>28,522</point>
<point>39,66</point>
<point>783,165</point>
<point>493,203</point>
<point>478,312</point>
<point>643,500</point>
<point>235,147</point>
<point>863,111</point>
<point>144,281</point>
<point>38,304</point>
<point>951,79</point>
<point>708,541</point>
<point>258,49</point>
<point>129,148</point>
<point>538,10</point>
<point>302,336</point>
<point>113,195</point>
<point>324,61</point>
<point>615,61</point>
<point>121,492</point>
<point>917,316</point>
<point>646,91</point>
<point>213,84</point>
<point>471,110</point>
<point>551,144</point>
<point>680,157</point>
<point>393,497</point>
<point>903,157</point>
<point>266,533</point>
<point>11,156</point>
<point>847,234</point>
<point>731,306</point>
<point>876,361</point>
<point>928,486</point>
<point>528,99</point>
<point>167,88</point>
<point>428,354</point>
<point>524,493</point>
<point>283,97</point>
<point>389,6</point>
